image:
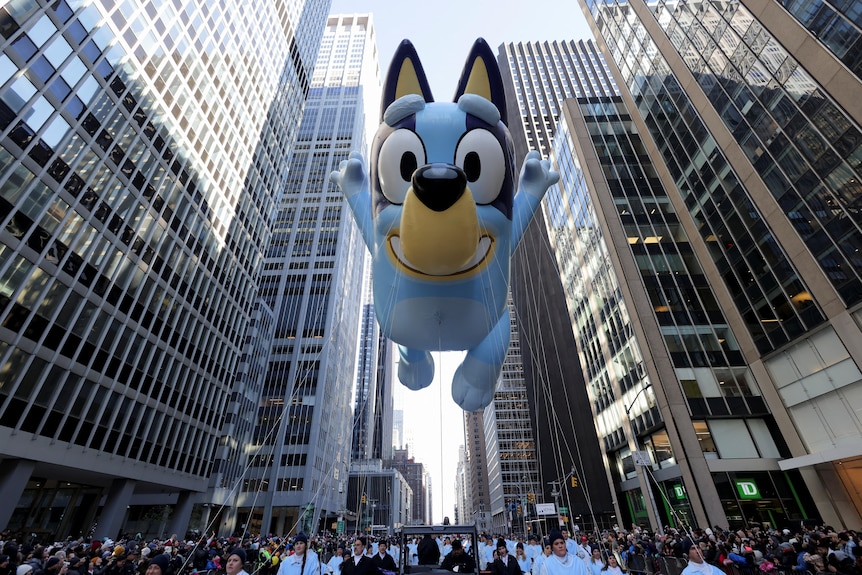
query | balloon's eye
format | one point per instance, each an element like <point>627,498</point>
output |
<point>400,155</point>
<point>481,157</point>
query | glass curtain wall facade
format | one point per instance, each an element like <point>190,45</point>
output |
<point>621,245</point>
<point>383,445</point>
<point>311,269</point>
<point>758,137</point>
<point>142,148</point>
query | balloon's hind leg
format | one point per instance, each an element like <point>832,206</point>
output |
<point>476,378</point>
<point>415,367</point>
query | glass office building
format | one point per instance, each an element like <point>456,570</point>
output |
<point>752,123</point>
<point>143,146</point>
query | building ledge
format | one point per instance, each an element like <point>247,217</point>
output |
<point>825,456</point>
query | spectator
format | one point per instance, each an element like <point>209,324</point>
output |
<point>696,564</point>
<point>235,562</point>
<point>457,560</point>
<point>429,553</point>
<point>383,560</point>
<point>612,567</point>
<point>159,565</point>
<point>560,562</point>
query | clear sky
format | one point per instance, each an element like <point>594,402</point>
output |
<point>443,32</point>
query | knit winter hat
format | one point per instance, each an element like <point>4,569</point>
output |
<point>162,561</point>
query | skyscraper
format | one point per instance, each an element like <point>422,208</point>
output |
<point>538,77</point>
<point>365,396</point>
<point>724,182</point>
<point>463,493</point>
<point>477,470</point>
<point>142,148</point>
<point>512,466</point>
<point>310,272</point>
<point>373,406</point>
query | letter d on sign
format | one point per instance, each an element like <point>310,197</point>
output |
<point>747,489</point>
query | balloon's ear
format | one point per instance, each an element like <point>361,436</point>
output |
<point>405,76</point>
<point>481,76</point>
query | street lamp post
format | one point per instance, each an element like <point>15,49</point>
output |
<point>555,493</point>
<point>642,459</point>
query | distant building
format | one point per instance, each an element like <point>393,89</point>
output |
<point>373,403</point>
<point>477,471</point>
<point>512,467</point>
<point>365,396</point>
<point>463,493</point>
<point>378,498</point>
<point>416,476</point>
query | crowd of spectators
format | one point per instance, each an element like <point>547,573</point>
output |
<point>756,551</point>
<point>801,551</point>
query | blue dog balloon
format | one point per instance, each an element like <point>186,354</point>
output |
<point>439,213</point>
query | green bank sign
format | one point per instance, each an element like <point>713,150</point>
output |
<point>747,489</point>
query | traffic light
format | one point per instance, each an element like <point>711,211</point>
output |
<point>574,481</point>
<point>531,497</point>
<point>364,500</point>
<point>519,509</point>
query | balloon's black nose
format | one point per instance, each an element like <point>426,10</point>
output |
<point>439,186</point>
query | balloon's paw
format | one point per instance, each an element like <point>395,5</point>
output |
<point>416,369</point>
<point>473,385</point>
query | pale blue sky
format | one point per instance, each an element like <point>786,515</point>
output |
<point>443,32</point>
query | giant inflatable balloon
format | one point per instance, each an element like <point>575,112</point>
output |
<point>439,212</point>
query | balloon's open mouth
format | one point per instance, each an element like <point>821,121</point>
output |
<point>484,252</point>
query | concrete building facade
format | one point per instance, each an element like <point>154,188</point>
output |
<point>510,451</point>
<point>301,447</point>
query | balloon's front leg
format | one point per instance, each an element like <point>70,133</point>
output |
<point>476,378</point>
<point>415,368</point>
